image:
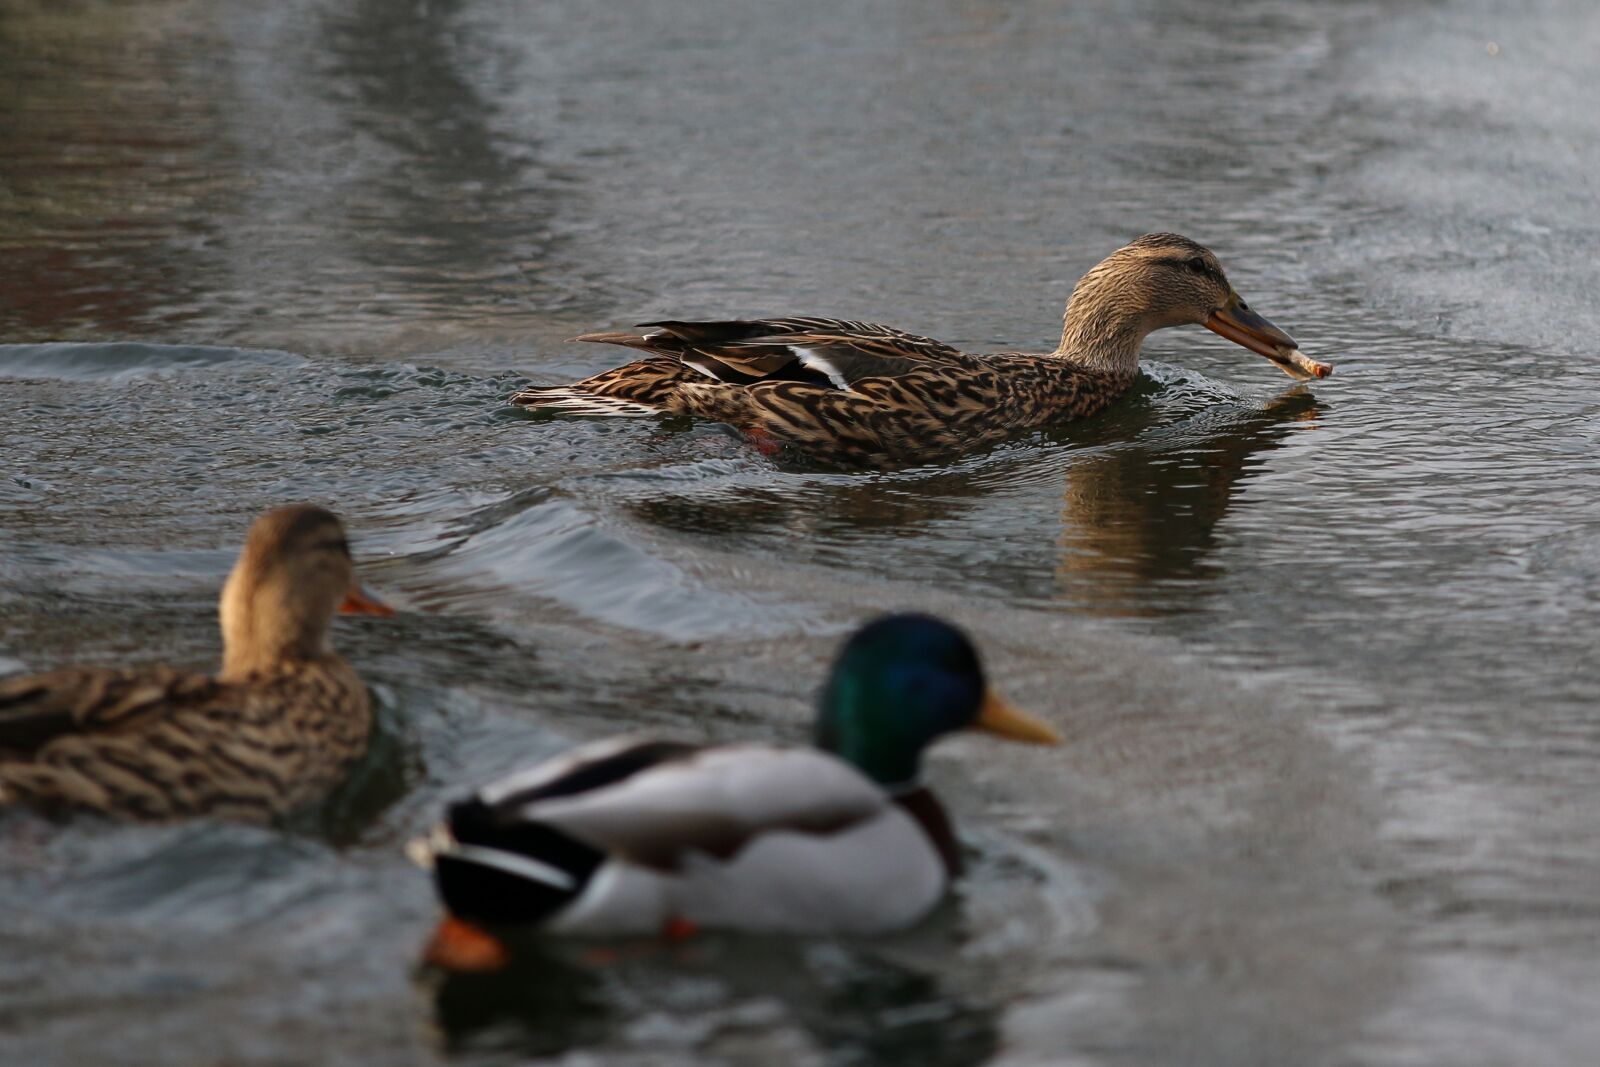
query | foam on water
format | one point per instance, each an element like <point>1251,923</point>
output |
<point>123,360</point>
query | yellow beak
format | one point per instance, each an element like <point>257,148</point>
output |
<point>1000,716</point>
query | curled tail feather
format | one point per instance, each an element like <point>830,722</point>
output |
<point>638,390</point>
<point>575,400</point>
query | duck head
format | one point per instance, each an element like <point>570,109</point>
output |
<point>1161,280</point>
<point>295,571</point>
<point>902,682</point>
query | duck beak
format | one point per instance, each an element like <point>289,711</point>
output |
<point>1000,716</point>
<point>1235,321</point>
<point>360,602</point>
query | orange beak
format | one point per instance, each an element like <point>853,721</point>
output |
<point>360,602</point>
<point>464,948</point>
<point>1239,324</point>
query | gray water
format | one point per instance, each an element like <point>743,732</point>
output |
<point>1325,654</point>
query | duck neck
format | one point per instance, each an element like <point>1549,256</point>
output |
<point>1101,337</point>
<point>1106,319</point>
<point>850,726</point>
<point>886,760</point>
<point>251,660</point>
<point>265,631</point>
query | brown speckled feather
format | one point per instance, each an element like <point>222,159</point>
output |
<point>158,743</point>
<point>276,729</point>
<point>839,392</point>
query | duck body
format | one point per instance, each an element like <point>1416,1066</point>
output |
<point>155,743</point>
<point>635,836</point>
<point>838,392</point>
<point>274,730</point>
<point>852,393</point>
<point>630,835</point>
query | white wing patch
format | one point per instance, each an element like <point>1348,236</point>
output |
<point>816,361</point>
<point>512,863</point>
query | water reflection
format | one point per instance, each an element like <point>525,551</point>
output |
<point>199,173</point>
<point>857,505</point>
<point>1117,516</point>
<point>1138,520</point>
<point>853,1004</point>
<point>106,171</point>
<point>456,210</point>
<point>542,1005</point>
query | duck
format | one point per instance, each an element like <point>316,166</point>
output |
<point>851,394</point>
<point>274,730</point>
<point>640,835</point>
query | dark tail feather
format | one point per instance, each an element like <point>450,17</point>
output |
<point>712,332</point>
<point>673,337</point>
<point>521,873</point>
<point>652,342</point>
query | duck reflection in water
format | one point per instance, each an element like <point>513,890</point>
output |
<point>1139,518</point>
<point>1142,491</point>
<point>755,993</point>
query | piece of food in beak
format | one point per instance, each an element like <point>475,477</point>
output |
<point>360,602</point>
<point>1000,716</point>
<point>1239,324</point>
<point>1296,364</point>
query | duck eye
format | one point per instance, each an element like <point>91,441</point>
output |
<point>1197,264</point>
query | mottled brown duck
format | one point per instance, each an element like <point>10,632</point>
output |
<point>274,730</point>
<point>856,393</point>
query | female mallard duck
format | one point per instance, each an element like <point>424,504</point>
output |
<point>851,393</point>
<point>637,836</point>
<point>275,729</point>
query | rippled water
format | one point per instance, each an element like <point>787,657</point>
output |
<point>1325,654</point>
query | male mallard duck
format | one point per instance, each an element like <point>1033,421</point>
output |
<point>275,729</point>
<point>635,836</point>
<point>853,393</point>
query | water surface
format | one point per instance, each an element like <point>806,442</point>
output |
<point>1325,653</point>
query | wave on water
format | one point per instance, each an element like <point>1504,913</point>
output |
<point>74,361</point>
<point>555,549</point>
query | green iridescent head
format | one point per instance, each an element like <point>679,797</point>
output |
<point>899,684</point>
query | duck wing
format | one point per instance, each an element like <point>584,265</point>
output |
<point>716,802</point>
<point>831,353</point>
<point>624,836</point>
<point>653,803</point>
<point>836,352</point>
<point>37,708</point>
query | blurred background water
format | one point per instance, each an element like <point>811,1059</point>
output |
<point>1326,655</point>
